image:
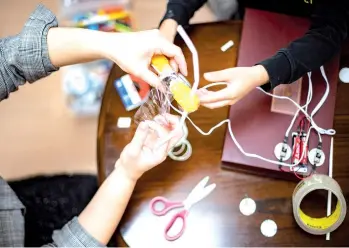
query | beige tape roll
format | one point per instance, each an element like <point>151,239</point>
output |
<point>318,226</point>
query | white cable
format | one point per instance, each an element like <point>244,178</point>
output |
<point>237,143</point>
<point>192,49</point>
<point>310,118</point>
<point>329,195</point>
<point>309,97</point>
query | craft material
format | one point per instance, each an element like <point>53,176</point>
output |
<point>318,226</point>
<point>198,193</point>
<point>182,150</point>
<point>344,75</point>
<point>132,91</point>
<point>178,88</point>
<point>83,85</point>
<point>268,228</point>
<point>124,122</point>
<point>227,45</point>
<point>247,206</point>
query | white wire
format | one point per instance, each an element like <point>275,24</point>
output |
<point>329,195</point>
<point>310,118</point>
<point>194,52</point>
<point>309,97</point>
<point>237,143</point>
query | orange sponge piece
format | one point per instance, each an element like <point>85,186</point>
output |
<point>181,93</point>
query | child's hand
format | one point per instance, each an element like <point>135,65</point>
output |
<point>141,154</point>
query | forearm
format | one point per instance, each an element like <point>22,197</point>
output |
<point>68,46</point>
<point>103,214</point>
<point>318,46</point>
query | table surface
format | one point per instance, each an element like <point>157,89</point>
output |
<point>215,221</point>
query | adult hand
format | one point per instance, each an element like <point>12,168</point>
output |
<point>133,53</point>
<point>141,154</point>
<point>240,81</point>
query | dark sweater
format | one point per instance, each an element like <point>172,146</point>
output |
<point>323,40</point>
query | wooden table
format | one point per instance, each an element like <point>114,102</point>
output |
<point>216,221</point>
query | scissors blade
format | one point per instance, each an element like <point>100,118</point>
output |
<point>199,192</point>
<point>199,186</point>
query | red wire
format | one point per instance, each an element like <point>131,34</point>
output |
<point>301,125</point>
<point>301,178</point>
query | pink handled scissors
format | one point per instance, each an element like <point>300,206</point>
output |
<point>198,193</point>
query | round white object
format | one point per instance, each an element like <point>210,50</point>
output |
<point>312,154</point>
<point>344,75</point>
<point>278,149</point>
<point>268,228</point>
<point>247,206</point>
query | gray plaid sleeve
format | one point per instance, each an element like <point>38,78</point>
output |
<point>24,57</point>
<point>74,235</point>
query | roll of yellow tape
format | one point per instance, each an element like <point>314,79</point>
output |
<point>318,226</point>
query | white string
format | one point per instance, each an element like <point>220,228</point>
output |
<point>318,106</point>
<point>303,108</point>
<point>239,146</point>
<point>329,195</point>
<point>309,97</point>
<point>194,52</point>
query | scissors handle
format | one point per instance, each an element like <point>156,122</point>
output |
<point>166,205</point>
<point>180,215</point>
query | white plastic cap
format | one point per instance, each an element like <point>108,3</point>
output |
<point>344,75</point>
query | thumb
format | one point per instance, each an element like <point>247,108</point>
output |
<point>139,138</point>
<point>149,77</point>
<point>216,96</point>
<point>216,76</point>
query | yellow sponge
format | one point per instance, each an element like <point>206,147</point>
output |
<point>181,93</point>
<point>160,63</point>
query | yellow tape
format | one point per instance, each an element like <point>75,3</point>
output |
<point>182,94</point>
<point>180,90</point>
<point>318,226</point>
<point>161,64</point>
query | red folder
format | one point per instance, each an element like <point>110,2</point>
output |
<point>255,126</point>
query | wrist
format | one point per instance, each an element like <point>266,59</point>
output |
<point>121,170</point>
<point>98,43</point>
<point>168,29</point>
<point>261,75</point>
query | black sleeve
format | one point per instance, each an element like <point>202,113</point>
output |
<point>182,10</point>
<point>323,40</point>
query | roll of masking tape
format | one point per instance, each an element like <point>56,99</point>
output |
<point>178,155</point>
<point>318,226</point>
<point>182,145</point>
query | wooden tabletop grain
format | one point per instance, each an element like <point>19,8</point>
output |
<point>216,221</point>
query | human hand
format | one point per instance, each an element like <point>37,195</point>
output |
<point>240,81</point>
<point>140,154</point>
<point>168,29</point>
<point>133,53</point>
